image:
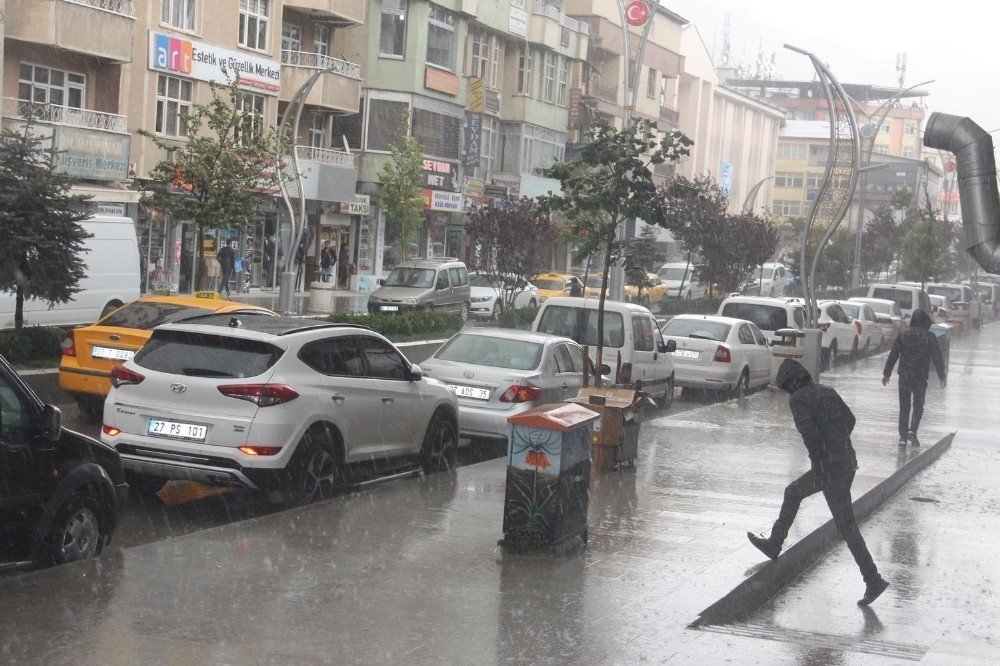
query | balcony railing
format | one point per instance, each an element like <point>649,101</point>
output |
<point>121,7</point>
<point>543,9</point>
<point>63,115</point>
<point>325,155</point>
<point>606,91</point>
<point>319,61</point>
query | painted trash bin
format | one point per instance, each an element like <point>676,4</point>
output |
<point>548,478</point>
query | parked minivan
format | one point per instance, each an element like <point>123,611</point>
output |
<point>111,280</point>
<point>909,297</point>
<point>631,334</point>
<point>438,283</point>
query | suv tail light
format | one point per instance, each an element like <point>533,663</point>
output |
<point>68,345</point>
<point>857,325</point>
<point>262,395</point>
<point>722,354</point>
<point>252,450</point>
<point>625,375</point>
<point>518,394</point>
<point>122,376</point>
<point>824,327</point>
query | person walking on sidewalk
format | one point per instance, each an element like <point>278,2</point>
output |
<point>327,258</point>
<point>915,348</point>
<point>344,259</point>
<point>825,423</point>
<point>227,261</point>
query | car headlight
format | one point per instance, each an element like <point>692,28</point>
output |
<point>481,299</point>
<point>409,301</point>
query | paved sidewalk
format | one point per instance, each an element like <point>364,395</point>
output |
<point>410,572</point>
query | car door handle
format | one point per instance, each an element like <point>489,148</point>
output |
<point>387,401</point>
<point>337,398</point>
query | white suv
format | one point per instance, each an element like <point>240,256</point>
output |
<point>272,403</point>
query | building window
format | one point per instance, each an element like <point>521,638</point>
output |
<point>881,148</point>
<point>651,83</point>
<point>346,130</point>
<point>909,129</point>
<point>485,56</point>
<point>818,155</point>
<point>253,24</point>
<point>322,36</point>
<point>44,85</point>
<point>908,152</point>
<point>291,38</point>
<point>791,151</point>
<point>441,37</point>
<point>786,208</point>
<point>787,179</point>
<point>173,103</point>
<point>251,109</point>
<point>384,123</point>
<point>392,38</point>
<point>178,14</point>
<point>886,126</point>
<point>562,83</point>
<point>488,150</point>
<point>317,133</point>
<point>549,76</point>
<point>525,64</point>
<point>496,63</point>
<point>528,148</point>
<point>440,135</point>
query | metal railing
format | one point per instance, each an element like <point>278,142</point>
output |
<point>543,9</point>
<point>325,155</point>
<point>64,115</point>
<point>606,91</point>
<point>351,70</point>
<point>121,7</point>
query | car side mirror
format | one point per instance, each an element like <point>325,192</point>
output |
<point>416,374</point>
<point>381,282</point>
<point>670,347</point>
<point>906,316</point>
<point>51,428</point>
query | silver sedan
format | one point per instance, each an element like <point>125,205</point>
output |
<point>497,373</point>
<point>719,353</point>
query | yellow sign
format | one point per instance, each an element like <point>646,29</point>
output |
<point>206,294</point>
<point>477,95</point>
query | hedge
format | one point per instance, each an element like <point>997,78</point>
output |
<point>410,324</point>
<point>32,344</point>
<point>521,318</point>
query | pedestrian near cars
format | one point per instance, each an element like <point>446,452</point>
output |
<point>914,348</point>
<point>345,259</point>
<point>327,258</point>
<point>227,261</point>
<point>825,423</point>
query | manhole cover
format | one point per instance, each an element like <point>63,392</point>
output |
<point>930,500</point>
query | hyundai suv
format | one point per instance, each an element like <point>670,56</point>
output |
<point>272,403</point>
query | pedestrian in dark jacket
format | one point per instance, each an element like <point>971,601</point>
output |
<point>227,262</point>
<point>825,423</point>
<point>915,348</point>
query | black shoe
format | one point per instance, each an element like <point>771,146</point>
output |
<point>764,545</point>
<point>902,442</point>
<point>873,590</point>
<point>913,439</point>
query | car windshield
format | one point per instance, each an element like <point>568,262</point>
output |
<point>206,355</point>
<point>480,280</point>
<point>697,328</point>
<point>675,273</point>
<point>767,274</point>
<point>410,277</point>
<point>594,281</point>
<point>937,300</point>
<point>571,322</point>
<point>765,317</point>
<point>555,285</point>
<point>902,297</point>
<point>951,293</point>
<point>851,310</point>
<point>145,315</point>
<point>512,354</point>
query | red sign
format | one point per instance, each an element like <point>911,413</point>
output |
<point>637,12</point>
<point>949,166</point>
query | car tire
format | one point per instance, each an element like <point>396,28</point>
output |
<point>77,531</point>
<point>497,311</point>
<point>143,485</point>
<point>831,357</point>
<point>316,473</point>
<point>742,387</point>
<point>463,312</point>
<point>110,307</point>
<point>667,398</point>
<point>532,303</point>
<point>437,452</point>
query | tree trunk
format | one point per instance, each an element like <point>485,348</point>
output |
<point>18,309</point>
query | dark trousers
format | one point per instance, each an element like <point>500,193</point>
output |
<point>227,273</point>
<point>910,391</point>
<point>838,497</point>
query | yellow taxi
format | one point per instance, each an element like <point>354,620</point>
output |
<point>557,284</point>
<point>654,291</point>
<point>90,352</point>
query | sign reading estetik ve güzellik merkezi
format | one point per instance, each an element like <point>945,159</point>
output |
<point>176,55</point>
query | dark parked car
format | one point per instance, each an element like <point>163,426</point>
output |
<point>59,490</point>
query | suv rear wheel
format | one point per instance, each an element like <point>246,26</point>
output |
<point>316,473</point>
<point>437,453</point>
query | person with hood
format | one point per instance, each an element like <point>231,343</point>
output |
<point>915,348</point>
<point>825,423</point>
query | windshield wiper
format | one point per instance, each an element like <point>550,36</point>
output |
<point>205,372</point>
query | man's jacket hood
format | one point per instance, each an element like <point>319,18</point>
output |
<point>920,319</point>
<point>792,376</point>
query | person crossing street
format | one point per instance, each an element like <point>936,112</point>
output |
<point>914,348</point>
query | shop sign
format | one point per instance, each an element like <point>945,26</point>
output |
<point>575,95</point>
<point>473,139</point>
<point>206,62</point>
<point>90,154</point>
<point>440,175</point>
<point>445,201</point>
<point>495,191</point>
<point>110,209</point>
<point>360,206</point>
<point>477,95</point>
<point>518,22</point>
<point>435,79</point>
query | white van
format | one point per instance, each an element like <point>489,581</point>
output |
<point>909,297</point>
<point>630,333</point>
<point>112,278</point>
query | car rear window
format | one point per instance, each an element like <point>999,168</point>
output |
<point>851,310</point>
<point>881,308</point>
<point>951,293</point>
<point>697,328</point>
<point>555,285</point>
<point>491,351</point>
<point>206,355</point>
<point>902,296</point>
<point>145,315</point>
<point>580,324</point>
<point>765,317</point>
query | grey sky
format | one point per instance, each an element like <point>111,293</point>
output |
<point>953,43</point>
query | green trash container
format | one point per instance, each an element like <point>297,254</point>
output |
<point>548,478</point>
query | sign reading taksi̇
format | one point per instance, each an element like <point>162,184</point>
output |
<point>205,62</point>
<point>440,175</point>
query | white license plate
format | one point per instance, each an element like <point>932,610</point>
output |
<point>389,308</point>
<point>470,392</point>
<point>685,353</point>
<point>112,353</point>
<point>177,430</point>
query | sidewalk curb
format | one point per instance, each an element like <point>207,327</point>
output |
<point>768,581</point>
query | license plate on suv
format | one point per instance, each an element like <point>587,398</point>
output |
<point>176,430</point>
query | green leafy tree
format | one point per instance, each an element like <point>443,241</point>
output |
<point>400,194</point>
<point>40,236</point>
<point>643,257</point>
<point>221,174</point>
<point>879,242</point>
<point>609,181</point>
<point>837,261</point>
<point>924,252</point>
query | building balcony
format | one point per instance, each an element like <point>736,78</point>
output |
<point>342,13</point>
<point>327,175</point>
<point>62,115</point>
<point>548,24</point>
<point>339,89</point>
<point>99,28</point>
<point>670,116</point>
